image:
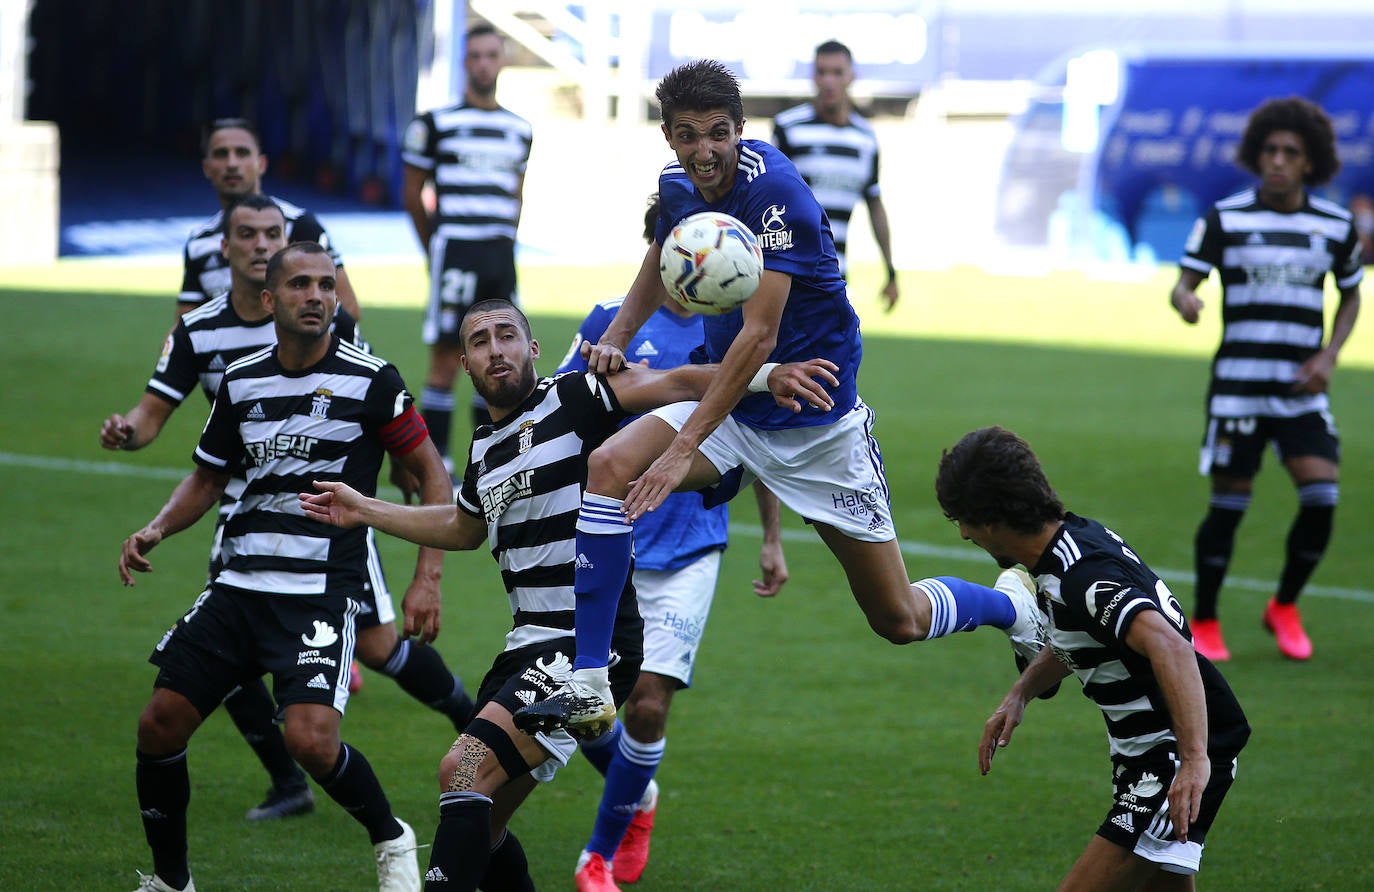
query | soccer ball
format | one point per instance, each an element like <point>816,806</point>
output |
<point>711,263</point>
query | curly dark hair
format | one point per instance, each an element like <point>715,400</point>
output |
<point>1299,116</point>
<point>992,476</point>
<point>704,85</point>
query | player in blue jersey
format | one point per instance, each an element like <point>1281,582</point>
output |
<point>677,561</point>
<point>823,464</point>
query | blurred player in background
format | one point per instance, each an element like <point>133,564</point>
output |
<point>233,162</point>
<point>1272,246</point>
<point>822,462</point>
<point>1173,725</point>
<point>204,342</point>
<point>473,154</point>
<point>836,152</point>
<point>677,561</point>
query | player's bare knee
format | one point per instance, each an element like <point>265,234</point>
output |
<point>609,471</point>
<point>161,731</point>
<point>896,629</point>
<point>315,748</point>
<point>646,718</point>
<point>375,645</point>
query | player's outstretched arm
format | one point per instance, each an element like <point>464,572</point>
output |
<point>139,427</point>
<point>1174,662</point>
<point>640,389</point>
<point>437,526</point>
<point>193,496</point>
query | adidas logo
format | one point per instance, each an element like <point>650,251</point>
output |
<point>646,349</point>
<point>256,413</point>
<point>319,682</point>
<point>435,875</point>
<point>583,563</point>
<point>1255,239</point>
<point>217,364</point>
<point>1125,822</point>
<point>525,697</point>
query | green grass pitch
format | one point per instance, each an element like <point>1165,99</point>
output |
<point>809,754</point>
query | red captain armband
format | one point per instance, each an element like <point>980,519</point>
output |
<point>404,433</point>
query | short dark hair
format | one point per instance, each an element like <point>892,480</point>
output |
<point>1299,116</point>
<point>834,46</point>
<point>704,85</point>
<point>992,476</point>
<point>219,124</point>
<point>488,305</point>
<point>481,29</point>
<point>274,266</point>
<point>651,218</point>
<point>254,202</point>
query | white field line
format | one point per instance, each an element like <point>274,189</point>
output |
<point>966,554</point>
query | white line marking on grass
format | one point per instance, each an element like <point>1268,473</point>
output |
<point>975,555</point>
<point>918,549</point>
<point>110,468</point>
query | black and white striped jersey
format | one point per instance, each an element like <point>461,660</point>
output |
<point>205,271</point>
<point>524,480</point>
<point>840,164</point>
<point>209,338</point>
<point>1096,586</point>
<point>1273,266</point>
<point>332,421</point>
<point>477,159</point>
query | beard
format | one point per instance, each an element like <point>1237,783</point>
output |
<point>507,392</point>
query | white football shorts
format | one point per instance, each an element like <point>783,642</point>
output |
<point>675,605</point>
<point>832,473</point>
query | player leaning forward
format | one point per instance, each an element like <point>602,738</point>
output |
<point>822,463</point>
<point>285,599</point>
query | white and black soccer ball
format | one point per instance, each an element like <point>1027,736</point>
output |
<point>711,263</point>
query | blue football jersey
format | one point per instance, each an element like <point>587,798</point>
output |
<point>773,200</point>
<point>680,530</point>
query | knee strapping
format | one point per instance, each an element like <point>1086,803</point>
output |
<point>496,740</point>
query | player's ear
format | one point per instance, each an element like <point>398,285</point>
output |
<point>269,301</point>
<point>262,164</point>
<point>667,135</point>
<point>534,349</point>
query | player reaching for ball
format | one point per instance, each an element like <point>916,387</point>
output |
<point>823,464</point>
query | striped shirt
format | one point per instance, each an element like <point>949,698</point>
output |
<point>1273,266</point>
<point>524,480</point>
<point>332,421</point>
<point>477,159</point>
<point>203,344</point>
<point>205,271</point>
<point>1097,586</point>
<point>839,163</point>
